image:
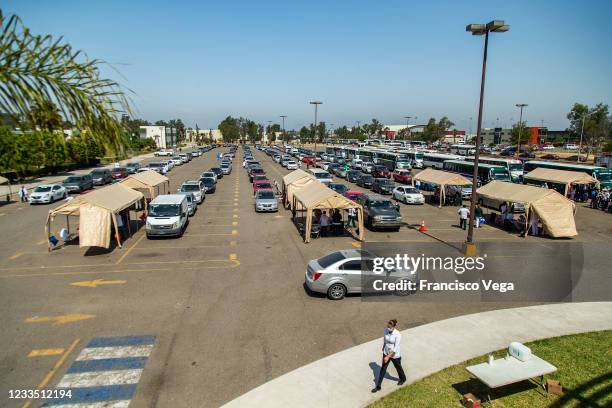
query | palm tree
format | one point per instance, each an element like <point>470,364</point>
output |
<point>36,70</point>
<point>45,116</point>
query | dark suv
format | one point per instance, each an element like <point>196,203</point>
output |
<point>352,175</point>
<point>379,212</point>
<point>101,176</point>
<point>78,184</point>
<point>383,186</point>
<point>381,171</point>
<point>365,180</point>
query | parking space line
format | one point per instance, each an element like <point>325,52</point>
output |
<point>53,370</point>
<point>45,352</point>
<point>17,255</point>
<point>127,252</point>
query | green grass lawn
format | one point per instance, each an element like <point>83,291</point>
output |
<point>584,363</point>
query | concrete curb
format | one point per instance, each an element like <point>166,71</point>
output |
<point>345,379</point>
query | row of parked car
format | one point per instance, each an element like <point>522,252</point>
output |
<point>263,189</point>
<point>379,212</point>
<point>49,193</point>
<point>169,214</point>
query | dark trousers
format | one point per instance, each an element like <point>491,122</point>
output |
<point>463,223</point>
<point>351,221</point>
<point>324,230</point>
<point>397,363</point>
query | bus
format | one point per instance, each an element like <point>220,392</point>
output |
<point>486,172</point>
<point>392,161</point>
<point>352,153</point>
<point>463,149</point>
<point>602,174</point>
<point>419,144</point>
<point>415,157</point>
<point>514,167</point>
<point>436,160</point>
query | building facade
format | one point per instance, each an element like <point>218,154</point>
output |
<point>212,134</point>
<point>165,137</point>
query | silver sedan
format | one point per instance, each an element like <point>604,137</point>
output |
<point>354,271</point>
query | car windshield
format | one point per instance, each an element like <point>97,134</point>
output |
<point>132,165</point>
<point>367,177</point>
<point>164,210</point>
<point>410,190</point>
<point>97,172</point>
<point>257,171</point>
<point>190,187</point>
<point>207,181</point>
<point>322,175</point>
<point>118,169</point>
<point>330,259</point>
<point>42,189</point>
<point>500,175</point>
<point>152,165</point>
<point>263,186</point>
<point>381,204</point>
<point>266,195</point>
<point>385,182</point>
<point>604,176</point>
<point>72,179</point>
<point>209,174</point>
<point>515,167</point>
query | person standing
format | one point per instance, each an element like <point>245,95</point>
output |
<point>324,223</point>
<point>352,216</point>
<point>23,194</point>
<point>391,354</point>
<point>464,214</point>
<point>478,214</point>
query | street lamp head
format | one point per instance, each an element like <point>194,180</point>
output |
<point>476,29</point>
<point>521,105</point>
<point>316,103</point>
<point>495,26</point>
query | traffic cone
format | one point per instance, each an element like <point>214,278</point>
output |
<point>422,228</point>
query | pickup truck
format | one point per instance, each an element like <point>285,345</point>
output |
<point>164,153</point>
<point>379,212</point>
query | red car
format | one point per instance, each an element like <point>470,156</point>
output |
<point>259,177</point>
<point>381,172</point>
<point>309,160</point>
<point>263,185</point>
<point>402,176</point>
<point>353,195</point>
<point>119,173</point>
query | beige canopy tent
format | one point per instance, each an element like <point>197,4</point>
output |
<point>564,177</point>
<point>442,179</point>
<point>554,210</point>
<point>149,182</point>
<point>295,181</point>
<point>4,180</point>
<point>317,196</point>
<point>96,211</point>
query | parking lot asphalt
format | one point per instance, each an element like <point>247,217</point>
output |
<point>225,302</point>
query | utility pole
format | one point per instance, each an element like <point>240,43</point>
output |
<point>284,134</point>
<point>520,106</point>
<point>316,105</point>
<point>407,123</point>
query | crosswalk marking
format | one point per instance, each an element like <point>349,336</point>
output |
<point>106,373</point>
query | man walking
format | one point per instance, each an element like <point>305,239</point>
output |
<point>464,214</point>
<point>23,194</point>
<point>477,215</point>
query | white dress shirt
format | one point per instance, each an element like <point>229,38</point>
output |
<point>392,340</point>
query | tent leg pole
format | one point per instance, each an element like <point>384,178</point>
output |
<point>116,231</point>
<point>48,235</point>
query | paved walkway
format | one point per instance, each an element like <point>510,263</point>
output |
<point>345,379</point>
<point>58,178</point>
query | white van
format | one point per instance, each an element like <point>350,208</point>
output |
<point>167,215</point>
<point>321,175</point>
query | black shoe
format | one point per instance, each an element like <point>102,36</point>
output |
<point>399,383</point>
<point>375,389</point>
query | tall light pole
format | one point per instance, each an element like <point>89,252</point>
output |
<point>316,105</point>
<point>284,134</point>
<point>520,106</point>
<point>269,128</point>
<point>407,122</point>
<point>581,134</point>
<point>479,29</point>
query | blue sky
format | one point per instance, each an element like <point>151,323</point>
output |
<point>204,60</point>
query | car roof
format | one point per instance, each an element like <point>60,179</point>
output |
<point>168,199</point>
<point>377,197</point>
<point>192,182</point>
<point>47,185</point>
